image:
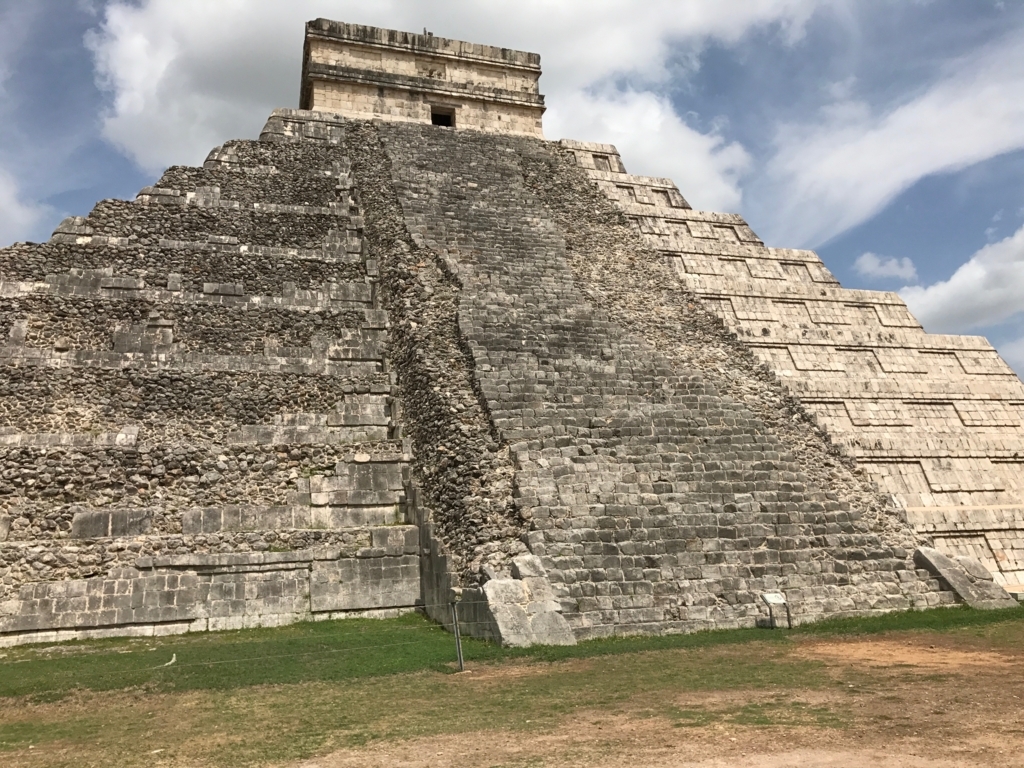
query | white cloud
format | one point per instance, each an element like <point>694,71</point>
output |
<point>19,220</point>
<point>837,172</point>
<point>1013,353</point>
<point>15,20</point>
<point>185,75</point>
<point>654,141</point>
<point>987,290</point>
<point>871,265</point>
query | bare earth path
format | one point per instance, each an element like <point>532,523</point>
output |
<point>907,699</point>
<point>908,704</point>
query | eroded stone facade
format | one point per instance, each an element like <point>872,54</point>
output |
<point>369,364</point>
<point>200,429</point>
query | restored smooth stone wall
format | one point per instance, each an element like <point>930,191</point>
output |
<point>188,593</point>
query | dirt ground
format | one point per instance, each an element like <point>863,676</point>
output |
<point>904,699</point>
<point>896,704</point>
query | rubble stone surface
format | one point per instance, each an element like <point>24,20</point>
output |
<point>366,366</point>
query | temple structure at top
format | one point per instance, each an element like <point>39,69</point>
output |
<point>363,72</point>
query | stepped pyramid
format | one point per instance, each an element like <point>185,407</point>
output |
<point>402,353</point>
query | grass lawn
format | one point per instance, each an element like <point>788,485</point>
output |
<point>271,695</point>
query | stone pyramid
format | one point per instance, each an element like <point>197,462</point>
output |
<point>402,353</point>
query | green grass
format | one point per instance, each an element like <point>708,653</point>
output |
<point>356,649</point>
<point>297,721</point>
<point>936,619</point>
<point>263,696</point>
<point>315,651</point>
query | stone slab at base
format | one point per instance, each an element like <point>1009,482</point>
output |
<point>970,580</point>
<point>513,612</point>
<point>517,612</point>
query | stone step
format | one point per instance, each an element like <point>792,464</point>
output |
<point>817,386</point>
<point>307,435</point>
<point>352,509</point>
<point>362,481</point>
<point>14,438</point>
<point>883,340</point>
<point>311,363</point>
<point>759,296</point>
<point>42,321</point>
<point>120,219</point>
<point>211,196</point>
<point>354,410</point>
<point>931,519</point>
<point>335,517</point>
<point>167,594</point>
<point>357,419</point>
<point>337,295</point>
<point>246,152</point>
<point>263,270</point>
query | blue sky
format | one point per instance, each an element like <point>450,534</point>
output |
<point>887,135</point>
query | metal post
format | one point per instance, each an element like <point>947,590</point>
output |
<point>458,638</point>
<point>771,616</point>
<point>789,617</point>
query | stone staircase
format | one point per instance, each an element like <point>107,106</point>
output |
<point>655,502</point>
<point>936,420</point>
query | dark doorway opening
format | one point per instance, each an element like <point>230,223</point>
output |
<point>442,116</point>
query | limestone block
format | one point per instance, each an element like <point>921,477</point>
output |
<point>207,197</point>
<point>73,225</point>
<point>154,335</point>
<point>224,289</point>
<point>524,611</point>
<point>222,157</point>
<point>364,583</point>
<point>395,540</point>
<point>160,196</point>
<point>506,601</point>
<point>110,524</point>
<point>123,283</point>
<point>18,333</point>
<point>977,593</point>
<point>5,527</point>
<point>975,569</point>
<point>526,566</point>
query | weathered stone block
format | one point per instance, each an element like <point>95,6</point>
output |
<point>364,583</point>
<point>110,524</point>
<point>976,592</point>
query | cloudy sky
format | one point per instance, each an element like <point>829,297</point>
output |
<point>888,135</point>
